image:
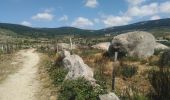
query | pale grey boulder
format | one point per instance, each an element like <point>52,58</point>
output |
<point>138,43</point>
<point>109,96</point>
<point>160,46</point>
<point>102,46</point>
<point>64,53</point>
<point>77,68</point>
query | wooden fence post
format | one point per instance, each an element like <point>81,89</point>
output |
<point>113,72</point>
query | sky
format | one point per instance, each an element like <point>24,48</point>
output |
<point>85,14</point>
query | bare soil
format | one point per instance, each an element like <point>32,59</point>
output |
<point>23,84</point>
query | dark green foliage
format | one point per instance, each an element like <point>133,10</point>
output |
<point>117,47</point>
<point>160,80</point>
<point>157,52</point>
<point>165,59</point>
<point>79,89</point>
<point>167,43</point>
<point>56,72</point>
<point>128,70</point>
<point>101,79</point>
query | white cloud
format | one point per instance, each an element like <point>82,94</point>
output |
<point>116,20</point>
<point>91,3</point>
<point>44,16</point>
<point>135,2</point>
<point>165,7</point>
<point>82,22</point>
<point>26,23</point>
<point>155,17</point>
<point>144,10</point>
<point>63,18</point>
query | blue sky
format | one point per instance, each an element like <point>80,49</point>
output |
<point>86,14</point>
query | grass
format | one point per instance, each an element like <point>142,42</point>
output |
<point>79,89</point>
<point>7,65</point>
<point>132,73</point>
<point>47,90</point>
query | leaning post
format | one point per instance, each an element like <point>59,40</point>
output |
<point>113,71</point>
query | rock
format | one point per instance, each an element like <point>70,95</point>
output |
<point>77,68</point>
<point>109,96</point>
<point>160,46</point>
<point>102,46</point>
<point>138,43</point>
<point>65,46</point>
<point>64,53</point>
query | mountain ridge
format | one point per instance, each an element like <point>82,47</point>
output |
<point>151,26</point>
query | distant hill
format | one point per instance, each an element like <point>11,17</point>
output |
<point>21,30</point>
<point>159,28</point>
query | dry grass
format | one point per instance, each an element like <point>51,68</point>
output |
<point>138,83</point>
<point>8,64</point>
<point>47,91</point>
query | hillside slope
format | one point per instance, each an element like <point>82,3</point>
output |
<point>159,28</point>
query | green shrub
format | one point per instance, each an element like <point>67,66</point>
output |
<point>139,97</point>
<point>117,47</point>
<point>56,73</point>
<point>79,89</point>
<point>101,79</point>
<point>160,80</point>
<point>128,70</point>
<point>157,52</point>
<point>165,59</point>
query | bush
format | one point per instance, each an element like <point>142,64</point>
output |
<point>79,89</point>
<point>139,97</point>
<point>117,47</point>
<point>128,70</point>
<point>157,52</point>
<point>57,72</point>
<point>133,93</point>
<point>160,80</point>
<point>165,59</point>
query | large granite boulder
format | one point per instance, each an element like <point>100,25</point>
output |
<point>109,96</point>
<point>77,68</point>
<point>102,46</point>
<point>140,44</point>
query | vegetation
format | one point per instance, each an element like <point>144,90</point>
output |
<point>79,89</point>
<point>160,78</point>
<point>160,81</point>
<point>165,59</point>
<point>128,71</point>
<point>159,28</point>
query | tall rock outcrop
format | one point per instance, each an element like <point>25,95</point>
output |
<point>77,68</point>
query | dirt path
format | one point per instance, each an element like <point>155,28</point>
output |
<point>23,84</point>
